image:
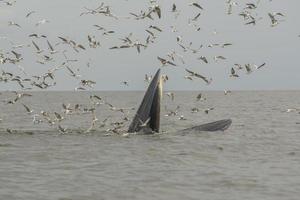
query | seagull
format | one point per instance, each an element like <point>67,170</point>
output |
<point>200,98</point>
<point>198,76</point>
<point>96,97</point>
<point>172,55</point>
<point>230,6</point>
<point>138,45</point>
<point>20,95</point>
<point>79,88</point>
<point>35,120</point>
<point>188,77</point>
<point>174,7</point>
<point>207,110</point>
<point>10,131</point>
<point>274,21</point>
<point>89,83</point>
<point>171,95</point>
<point>233,73</point>
<point>196,17</point>
<point>156,28</point>
<point>291,110</point>
<point>52,51</point>
<point>58,116</point>
<point>226,44</point>
<point>248,68</point>
<point>147,78</point>
<point>253,21</point>
<point>125,83</point>
<point>164,78</point>
<point>103,123</point>
<point>212,45</point>
<point>203,58</point>
<point>66,108</point>
<point>94,120</point>
<point>260,66</point>
<point>216,58</point>
<point>17,55</point>
<point>61,129</point>
<point>157,10</point>
<point>92,42</point>
<point>29,111</point>
<point>15,46</point>
<point>37,48</point>
<point>150,32</point>
<point>8,3</point>
<point>226,92</point>
<point>73,73</point>
<point>164,62</point>
<point>197,5</point>
<point>144,124</point>
<point>195,110</point>
<point>250,6</point>
<point>37,36</point>
<point>182,117</point>
<point>172,112</point>
<point>30,13</point>
<point>239,66</point>
<point>11,23</point>
<point>43,21</point>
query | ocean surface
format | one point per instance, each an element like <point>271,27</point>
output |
<point>258,157</point>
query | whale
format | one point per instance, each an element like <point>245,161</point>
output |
<point>149,108</point>
<point>147,118</point>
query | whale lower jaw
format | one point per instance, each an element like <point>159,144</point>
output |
<point>220,125</point>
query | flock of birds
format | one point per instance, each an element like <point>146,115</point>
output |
<point>58,49</point>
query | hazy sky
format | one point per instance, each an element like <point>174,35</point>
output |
<point>278,46</point>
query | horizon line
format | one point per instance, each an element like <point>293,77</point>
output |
<point>233,90</point>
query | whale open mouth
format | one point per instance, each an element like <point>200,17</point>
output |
<point>148,114</point>
<point>147,117</point>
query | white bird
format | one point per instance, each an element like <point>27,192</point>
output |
<point>291,110</point>
<point>148,78</point>
<point>58,116</point>
<point>144,124</point>
<point>260,66</point>
<point>11,23</point>
<point>226,92</point>
<point>38,50</point>
<point>200,98</point>
<point>35,119</point>
<point>52,51</point>
<point>208,81</point>
<point>30,13</point>
<point>43,21</point>
<point>29,111</point>
<point>207,110</point>
<point>171,95</point>
<point>61,129</point>
<point>182,117</point>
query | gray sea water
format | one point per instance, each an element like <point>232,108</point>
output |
<point>258,157</point>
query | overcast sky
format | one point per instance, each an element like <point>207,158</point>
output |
<point>278,47</point>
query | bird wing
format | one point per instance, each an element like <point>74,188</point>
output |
<point>50,46</point>
<point>35,45</point>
